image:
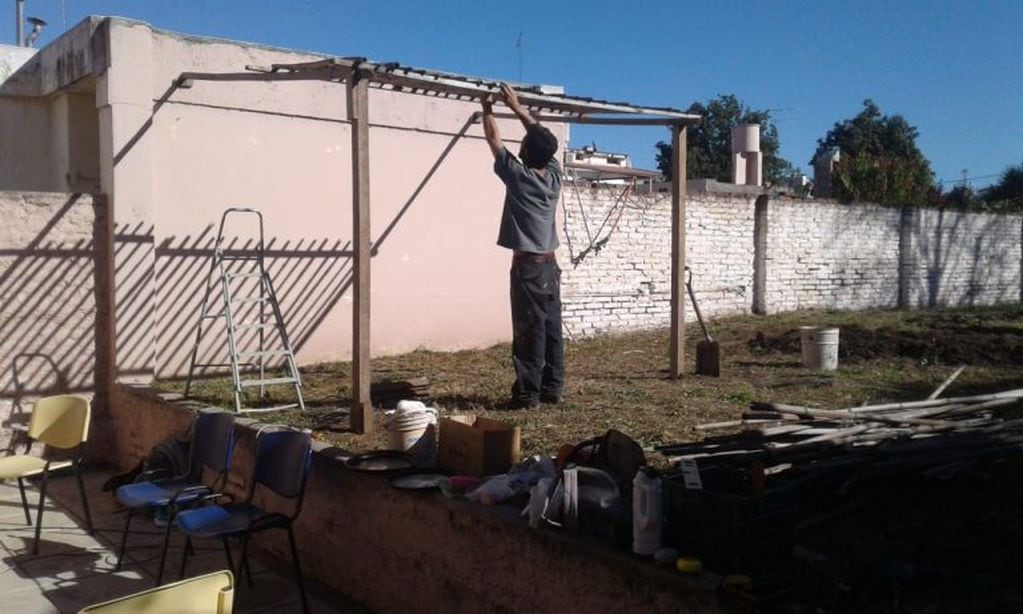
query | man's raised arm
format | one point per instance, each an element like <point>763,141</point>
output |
<point>512,100</point>
<point>490,130</point>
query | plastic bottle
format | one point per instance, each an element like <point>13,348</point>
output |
<point>646,512</point>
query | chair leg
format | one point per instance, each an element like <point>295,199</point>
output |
<point>227,553</point>
<point>39,514</point>
<point>124,539</point>
<point>85,500</point>
<point>244,562</point>
<point>298,570</point>
<point>184,557</point>
<point>24,501</point>
<point>166,542</point>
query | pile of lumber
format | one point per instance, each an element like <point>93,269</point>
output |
<point>937,437</point>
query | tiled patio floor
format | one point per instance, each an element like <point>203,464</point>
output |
<point>74,569</point>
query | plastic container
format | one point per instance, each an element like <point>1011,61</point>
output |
<point>819,347</point>
<point>412,428</point>
<point>825,349</point>
<point>646,512</point>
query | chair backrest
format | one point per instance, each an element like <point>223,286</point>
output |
<point>212,442</point>
<point>212,592</point>
<point>61,421</point>
<point>283,459</point>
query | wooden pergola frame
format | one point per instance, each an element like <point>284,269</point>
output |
<point>359,75</point>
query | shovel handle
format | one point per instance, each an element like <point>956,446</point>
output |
<point>696,307</point>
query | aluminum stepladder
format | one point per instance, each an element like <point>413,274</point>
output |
<point>223,271</point>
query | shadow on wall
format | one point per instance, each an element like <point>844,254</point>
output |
<point>47,315</point>
<point>309,278</point>
<point>963,260</point>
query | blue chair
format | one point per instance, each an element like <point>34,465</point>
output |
<point>210,453</point>
<point>283,459</point>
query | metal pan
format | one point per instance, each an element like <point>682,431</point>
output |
<point>381,462</point>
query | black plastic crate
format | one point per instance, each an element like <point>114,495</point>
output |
<point>726,525</point>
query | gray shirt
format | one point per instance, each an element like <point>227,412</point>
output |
<point>530,204</point>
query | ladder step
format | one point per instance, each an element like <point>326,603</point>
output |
<point>240,275</point>
<point>252,325</point>
<point>267,382</point>
<point>235,258</point>
<point>254,299</point>
<point>264,353</point>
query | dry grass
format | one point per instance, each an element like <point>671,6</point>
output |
<point>620,381</point>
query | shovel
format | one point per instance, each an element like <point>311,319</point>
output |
<point>708,351</point>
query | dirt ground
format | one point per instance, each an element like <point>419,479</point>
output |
<point>620,381</point>
<point>900,546</point>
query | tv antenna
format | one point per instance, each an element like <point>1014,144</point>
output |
<point>518,46</point>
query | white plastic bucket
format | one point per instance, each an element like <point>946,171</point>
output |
<point>806,340</point>
<point>412,428</point>
<point>825,350</point>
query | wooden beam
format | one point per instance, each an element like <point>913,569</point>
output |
<point>603,121</point>
<point>358,114</point>
<point>678,249</point>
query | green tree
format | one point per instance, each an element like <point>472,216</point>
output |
<point>709,143</point>
<point>961,197</point>
<point>880,161</point>
<point>1009,187</point>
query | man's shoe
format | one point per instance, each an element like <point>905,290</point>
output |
<point>551,399</point>
<point>524,403</point>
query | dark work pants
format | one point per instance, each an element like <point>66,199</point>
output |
<point>537,345</point>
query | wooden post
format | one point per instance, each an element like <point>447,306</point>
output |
<point>678,249</point>
<point>358,113</point>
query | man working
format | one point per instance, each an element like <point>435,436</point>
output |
<point>532,190</point>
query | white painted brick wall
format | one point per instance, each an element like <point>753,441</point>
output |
<point>820,255</point>
<point>824,255</point>
<point>965,259</point>
<point>626,284</point>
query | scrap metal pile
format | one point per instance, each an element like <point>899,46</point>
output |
<point>935,437</point>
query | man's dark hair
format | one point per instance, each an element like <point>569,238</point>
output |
<point>538,146</point>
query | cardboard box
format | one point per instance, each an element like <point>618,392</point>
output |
<point>471,445</point>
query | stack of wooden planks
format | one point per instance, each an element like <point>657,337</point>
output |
<point>936,436</point>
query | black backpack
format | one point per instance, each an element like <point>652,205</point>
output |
<point>169,458</point>
<point>613,452</point>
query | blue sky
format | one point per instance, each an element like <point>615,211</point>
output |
<point>953,69</point>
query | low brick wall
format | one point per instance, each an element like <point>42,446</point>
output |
<point>399,552</point>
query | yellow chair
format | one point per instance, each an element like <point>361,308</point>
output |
<point>60,422</point>
<point>207,594</point>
